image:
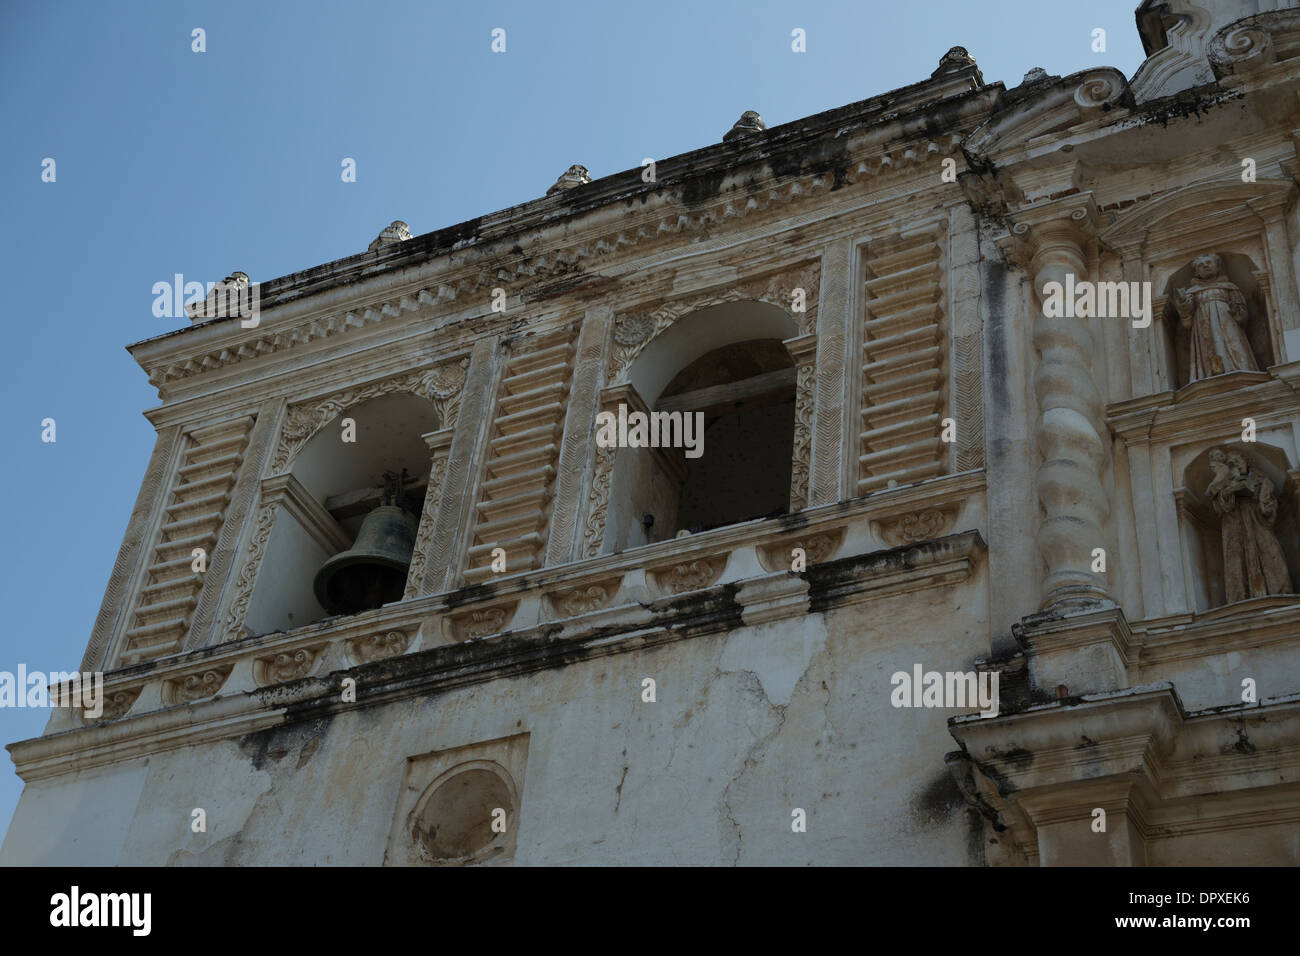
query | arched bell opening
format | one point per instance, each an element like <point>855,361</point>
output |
<point>346,516</point>
<point>729,379</point>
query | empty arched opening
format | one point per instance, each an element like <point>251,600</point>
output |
<point>333,504</point>
<point>729,380</point>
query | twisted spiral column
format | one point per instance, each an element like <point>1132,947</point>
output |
<point>1068,481</point>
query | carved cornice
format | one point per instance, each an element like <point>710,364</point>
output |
<point>1095,94</point>
<point>668,223</point>
<point>1253,43</point>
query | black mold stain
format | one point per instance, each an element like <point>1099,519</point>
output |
<point>704,187</point>
<point>937,800</point>
<point>1241,745</point>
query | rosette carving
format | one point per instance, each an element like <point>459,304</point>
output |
<point>199,685</point>
<point>689,575</point>
<point>378,647</point>
<point>584,599</point>
<point>817,546</point>
<point>285,666</point>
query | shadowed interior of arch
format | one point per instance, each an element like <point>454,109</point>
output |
<point>746,393</point>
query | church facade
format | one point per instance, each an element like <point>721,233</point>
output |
<point>915,482</point>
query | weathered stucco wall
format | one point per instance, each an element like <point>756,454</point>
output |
<point>747,726</point>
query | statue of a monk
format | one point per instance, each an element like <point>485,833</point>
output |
<point>1213,309</point>
<point>1246,503</point>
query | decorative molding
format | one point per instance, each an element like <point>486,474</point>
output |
<point>116,704</point>
<point>440,445</point>
<point>378,647</point>
<point>464,467</point>
<point>803,350</point>
<point>667,226</point>
<point>924,524</point>
<point>287,665</point>
<point>199,685</point>
<point>205,626</point>
<point>585,598</point>
<point>1249,44</point>
<point>969,400</point>
<point>248,573</point>
<point>692,575</point>
<point>441,386</point>
<point>818,547</point>
<point>481,622</point>
<point>593,529</point>
<point>634,331</point>
<point>534,646</point>
<point>569,501</point>
<point>1053,108</point>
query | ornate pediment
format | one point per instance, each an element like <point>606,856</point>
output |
<point>1190,209</point>
<point>1052,108</point>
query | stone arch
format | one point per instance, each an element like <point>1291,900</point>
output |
<point>794,291</point>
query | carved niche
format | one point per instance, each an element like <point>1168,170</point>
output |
<point>1247,505</point>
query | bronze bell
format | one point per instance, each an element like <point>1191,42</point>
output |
<point>373,571</point>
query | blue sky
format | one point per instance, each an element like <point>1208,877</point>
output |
<point>172,161</point>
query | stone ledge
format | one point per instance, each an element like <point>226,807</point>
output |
<point>240,706</point>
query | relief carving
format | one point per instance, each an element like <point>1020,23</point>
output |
<point>119,702</point>
<point>197,686</point>
<point>424,534</point>
<point>593,529</point>
<point>801,454</point>
<point>378,647</point>
<point>817,547</point>
<point>441,386</point>
<point>481,623</point>
<point>924,524</point>
<point>248,573</point>
<point>690,575</point>
<point>285,666</point>
<point>633,332</point>
<point>584,599</point>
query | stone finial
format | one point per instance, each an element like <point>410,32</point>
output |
<point>575,175</point>
<point>748,124</point>
<point>958,58</point>
<point>215,304</point>
<point>396,231</point>
<point>1036,75</point>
